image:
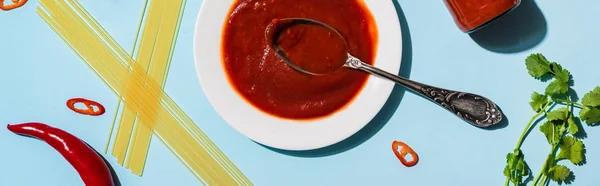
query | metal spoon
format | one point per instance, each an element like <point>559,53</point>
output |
<point>474,109</point>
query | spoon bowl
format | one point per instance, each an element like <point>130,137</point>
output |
<point>288,36</point>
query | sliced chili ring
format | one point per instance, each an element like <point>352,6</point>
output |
<point>89,106</point>
<point>405,150</point>
<point>16,4</point>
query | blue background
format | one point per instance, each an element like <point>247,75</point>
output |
<point>38,73</point>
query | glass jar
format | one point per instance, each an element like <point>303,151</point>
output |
<point>471,15</point>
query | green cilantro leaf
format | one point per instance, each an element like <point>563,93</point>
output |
<point>510,158</point>
<point>592,98</point>
<point>560,173</point>
<point>516,167</point>
<point>559,73</point>
<point>521,167</point>
<point>557,87</point>
<point>571,148</point>
<point>590,115</point>
<point>557,115</point>
<point>507,172</point>
<point>551,131</point>
<point>538,101</point>
<point>537,65</point>
<point>573,127</point>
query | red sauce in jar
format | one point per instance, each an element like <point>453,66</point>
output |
<point>470,15</point>
<point>272,86</point>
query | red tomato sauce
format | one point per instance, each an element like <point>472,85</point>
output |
<point>311,47</point>
<point>472,14</point>
<point>272,86</point>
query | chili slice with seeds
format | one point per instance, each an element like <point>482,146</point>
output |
<point>89,106</point>
<point>402,152</point>
<point>15,4</point>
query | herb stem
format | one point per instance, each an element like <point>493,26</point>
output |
<point>568,102</point>
<point>506,183</point>
<point>540,174</point>
<point>552,154</point>
<point>544,180</point>
<point>520,142</point>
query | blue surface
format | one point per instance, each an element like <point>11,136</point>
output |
<point>39,73</point>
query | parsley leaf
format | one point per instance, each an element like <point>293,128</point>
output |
<point>559,73</point>
<point>557,115</point>
<point>560,173</point>
<point>551,131</point>
<point>557,87</point>
<point>538,101</point>
<point>592,98</point>
<point>573,127</point>
<point>571,148</point>
<point>590,115</point>
<point>537,65</point>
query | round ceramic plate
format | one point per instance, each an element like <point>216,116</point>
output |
<point>288,134</point>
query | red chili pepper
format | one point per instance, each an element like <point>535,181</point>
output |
<point>405,150</point>
<point>88,104</point>
<point>15,4</point>
<point>88,163</point>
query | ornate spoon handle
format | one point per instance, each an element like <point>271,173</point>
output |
<point>475,109</point>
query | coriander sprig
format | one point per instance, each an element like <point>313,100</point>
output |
<point>560,127</point>
<point>591,107</point>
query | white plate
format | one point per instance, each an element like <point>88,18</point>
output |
<point>288,134</point>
